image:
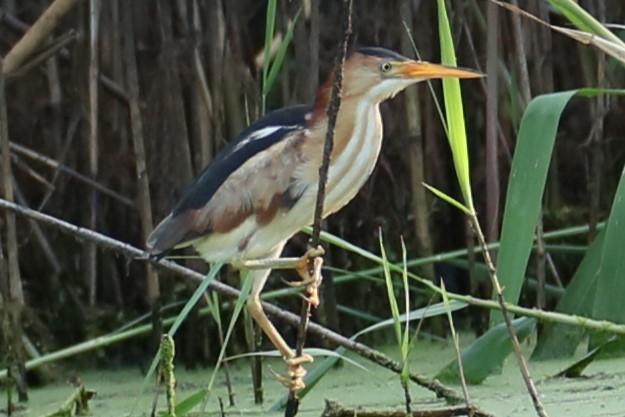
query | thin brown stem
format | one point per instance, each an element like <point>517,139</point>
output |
<point>332,113</point>
<point>525,372</point>
<point>52,163</point>
<point>540,265</point>
<point>492,109</point>
<point>40,237</point>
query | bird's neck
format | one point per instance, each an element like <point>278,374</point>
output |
<point>322,102</point>
<point>358,120</point>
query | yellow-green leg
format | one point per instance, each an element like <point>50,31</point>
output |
<point>260,272</point>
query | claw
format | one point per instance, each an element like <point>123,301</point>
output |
<point>310,281</point>
<point>296,372</point>
<point>302,264</point>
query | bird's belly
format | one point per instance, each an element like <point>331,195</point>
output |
<point>345,178</point>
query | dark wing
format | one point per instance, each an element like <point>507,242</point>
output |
<point>250,175</point>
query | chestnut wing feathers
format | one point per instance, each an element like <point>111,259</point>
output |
<point>253,175</point>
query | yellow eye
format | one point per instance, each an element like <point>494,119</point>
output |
<point>385,66</point>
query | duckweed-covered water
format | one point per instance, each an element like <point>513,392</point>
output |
<point>600,393</point>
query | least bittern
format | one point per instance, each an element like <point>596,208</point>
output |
<point>260,189</point>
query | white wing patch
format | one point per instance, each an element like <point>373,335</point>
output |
<point>263,133</point>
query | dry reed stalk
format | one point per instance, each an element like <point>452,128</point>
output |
<point>90,270</point>
<point>416,152</point>
<point>141,172</point>
<point>59,167</point>
<point>40,237</point>
<point>36,35</point>
<point>202,99</point>
<point>492,116</point>
<point>13,291</point>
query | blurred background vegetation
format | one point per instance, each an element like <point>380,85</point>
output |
<point>182,78</point>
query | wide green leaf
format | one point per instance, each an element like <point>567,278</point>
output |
<point>487,353</point>
<point>559,340</point>
<point>611,272</point>
<point>526,185</point>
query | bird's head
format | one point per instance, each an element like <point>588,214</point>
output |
<point>377,73</point>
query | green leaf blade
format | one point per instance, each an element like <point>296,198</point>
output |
<point>528,177</point>
<point>454,108</point>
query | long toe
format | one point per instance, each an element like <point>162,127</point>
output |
<point>299,360</point>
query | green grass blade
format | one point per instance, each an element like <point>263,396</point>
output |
<point>419,314</point>
<point>390,292</point>
<point>315,375</point>
<point>185,406</point>
<point>454,108</point>
<point>201,396</point>
<point>487,353</point>
<point>439,257</point>
<point>405,341</point>
<point>270,24</point>
<point>448,199</point>
<point>584,20</point>
<point>201,289</point>
<point>276,64</point>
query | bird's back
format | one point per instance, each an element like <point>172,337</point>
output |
<point>227,191</point>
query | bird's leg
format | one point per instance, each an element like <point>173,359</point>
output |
<point>310,275</point>
<point>296,372</point>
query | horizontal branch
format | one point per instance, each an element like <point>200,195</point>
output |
<point>335,409</point>
<point>134,253</point>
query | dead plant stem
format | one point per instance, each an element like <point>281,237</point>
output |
<point>36,35</point>
<point>525,372</point>
<point>332,112</point>
<point>14,293</point>
<point>59,167</point>
<point>138,143</point>
<point>91,254</point>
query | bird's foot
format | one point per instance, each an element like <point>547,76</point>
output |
<point>310,281</point>
<point>302,265</point>
<point>294,380</point>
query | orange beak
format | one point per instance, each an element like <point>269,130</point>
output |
<point>423,70</point>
